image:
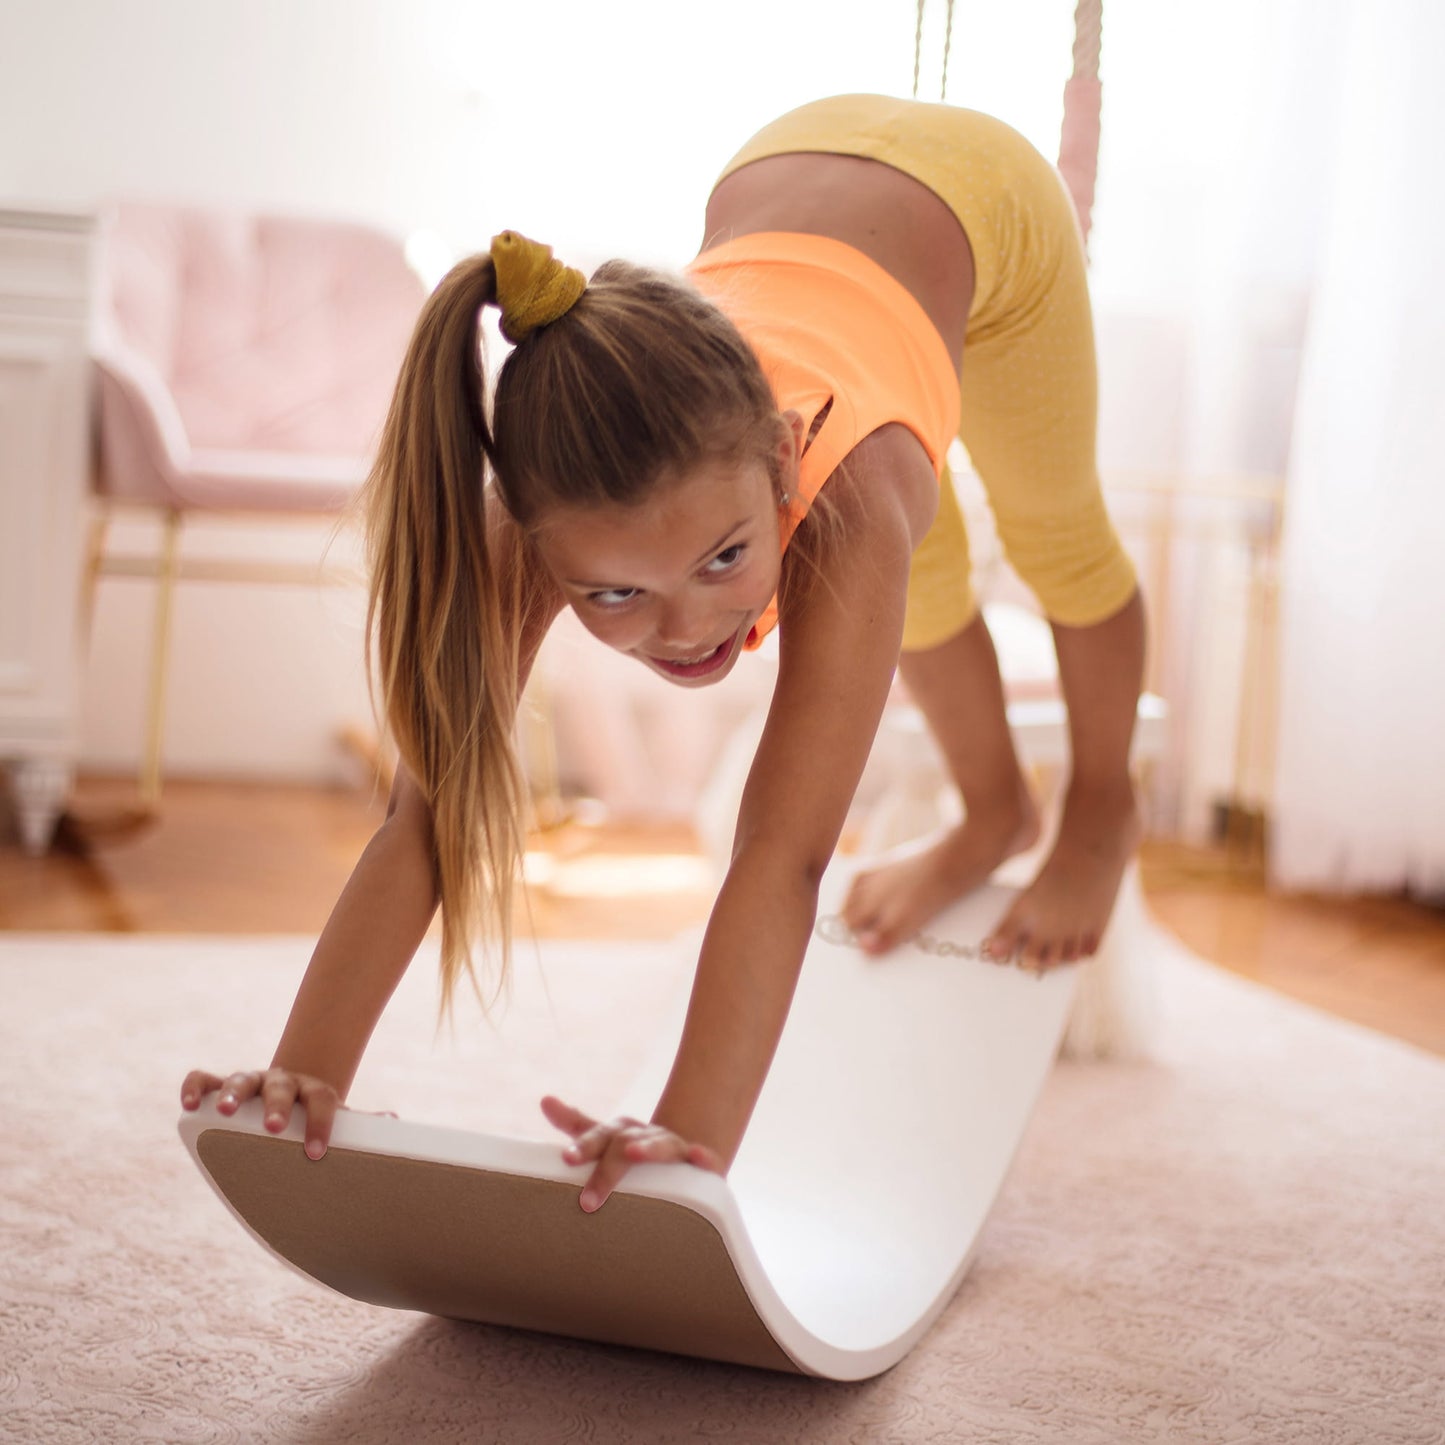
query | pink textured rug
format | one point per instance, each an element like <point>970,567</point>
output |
<point>1241,1240</point>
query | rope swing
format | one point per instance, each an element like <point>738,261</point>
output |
<point>1083,101</point>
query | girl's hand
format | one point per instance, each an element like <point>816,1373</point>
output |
<point>618,1144</point>
<point>278,1089</point>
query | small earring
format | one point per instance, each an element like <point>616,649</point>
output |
<point>784,499</point>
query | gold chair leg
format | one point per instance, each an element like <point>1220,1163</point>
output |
<point>90,580</point>
<point>150,779</point>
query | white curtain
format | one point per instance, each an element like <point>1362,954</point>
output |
<point>1212,176</point>
<point>1360,791</point>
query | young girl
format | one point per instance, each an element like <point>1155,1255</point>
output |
<point>688,463</point>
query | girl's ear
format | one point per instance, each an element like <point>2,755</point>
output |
<point>790,446</point>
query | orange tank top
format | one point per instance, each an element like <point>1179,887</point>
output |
<point>829,324</point>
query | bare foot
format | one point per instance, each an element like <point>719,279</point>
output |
<point>1060,917</point>
<point>887,906</point>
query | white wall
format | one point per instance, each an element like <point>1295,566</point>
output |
<point>597,127</point>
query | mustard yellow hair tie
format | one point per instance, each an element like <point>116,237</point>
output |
<point>532,288</point>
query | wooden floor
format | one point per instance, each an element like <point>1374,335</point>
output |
<point>248,858</point>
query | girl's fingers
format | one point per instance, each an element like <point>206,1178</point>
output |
<point>659,1147</point>
<point>590,1137</point>
<point>278,1090</point>
<point>604,1179</point>
<point>615,1145</point>
<point>198,1083</point>
<point>236,1090</point>
<point>592,1144</point>
<point>321,1104</point>
<point>705,1158</point>
<point>656,1146</point>
<point>564,1117</point>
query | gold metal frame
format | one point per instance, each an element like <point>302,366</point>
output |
<point>166,569</point>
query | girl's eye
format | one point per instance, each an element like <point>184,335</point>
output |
<point>613,597</point>
<point>728,557</point>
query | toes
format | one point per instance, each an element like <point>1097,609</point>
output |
<point>1006,942</point>
<point>872,935</point>
<point>884,932</point>
<point>1036,943</point>
<point>871,922</point>
<point>862,912</point>
<point>865,934</point>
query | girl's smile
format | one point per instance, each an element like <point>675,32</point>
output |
<point>676,581</point>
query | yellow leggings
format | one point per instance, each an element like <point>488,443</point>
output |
<point>1029,386</point>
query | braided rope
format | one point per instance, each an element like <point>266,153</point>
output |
<point>917,48</point>
<point>1079,143</point>
<point>1088,36</point>
<point>947,46</point>
<point>1083,98</point>
<point>1088,29</point>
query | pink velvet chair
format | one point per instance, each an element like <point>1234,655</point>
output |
<point>244,364</point>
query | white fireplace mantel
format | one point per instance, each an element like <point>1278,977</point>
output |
<point>46,285</point>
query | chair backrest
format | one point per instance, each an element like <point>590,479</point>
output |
<point>274,334</point>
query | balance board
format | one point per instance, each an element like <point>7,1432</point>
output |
<point>896,1101</point>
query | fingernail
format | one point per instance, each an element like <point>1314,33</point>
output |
<point>315,1148</point>
<point>189,1101</point>
<point>589,1200</point>
<point>571,1153</point>
<point>274,1121</point>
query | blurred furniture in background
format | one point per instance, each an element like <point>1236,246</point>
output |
<point>1209,549</point>
<point>46,265</point>
<point>244,364</point>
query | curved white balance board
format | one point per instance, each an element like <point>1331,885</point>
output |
<point>895,1104</point>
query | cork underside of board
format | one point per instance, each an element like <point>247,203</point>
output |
<point>502,1249</point>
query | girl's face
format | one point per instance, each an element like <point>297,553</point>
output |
<point>675,581</point>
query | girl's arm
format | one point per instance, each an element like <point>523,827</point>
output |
<point>369,940</point>
<point>840,645</point>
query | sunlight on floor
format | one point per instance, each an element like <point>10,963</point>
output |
<point>617,875</point>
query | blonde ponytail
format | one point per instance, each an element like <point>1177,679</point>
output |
<point>446,618</point>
